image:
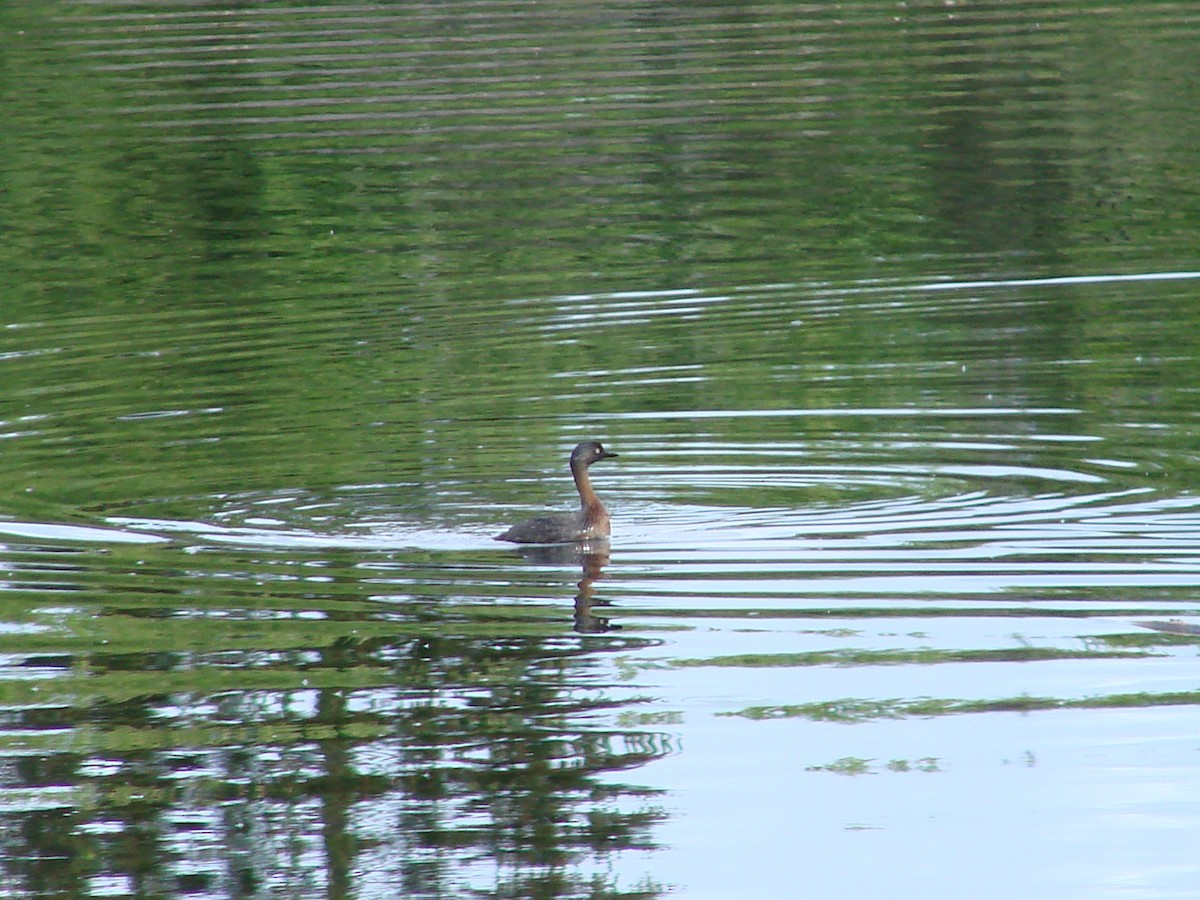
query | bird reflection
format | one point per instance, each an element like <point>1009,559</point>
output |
<point>592,557</point>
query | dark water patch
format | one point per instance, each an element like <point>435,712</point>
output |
<point>852,711</point>
<point>926,656</point>
<point>855,766</point>
<point>275,693</point>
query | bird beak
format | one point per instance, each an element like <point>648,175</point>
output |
<point>608,455</point>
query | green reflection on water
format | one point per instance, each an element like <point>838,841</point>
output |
<point>856,710</point>
<point>922,656</point>
<point>265,302</point>
<point>148,686</point>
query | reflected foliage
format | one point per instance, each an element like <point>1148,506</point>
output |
<point>201,232</point>
<point>294,751</point>
<point>853,710</point>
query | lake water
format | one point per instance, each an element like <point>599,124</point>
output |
<point>891,310</point>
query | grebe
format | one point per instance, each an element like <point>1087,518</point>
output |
<point>589,523</point>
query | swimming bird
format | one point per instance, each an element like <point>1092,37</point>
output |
<point>592,520</point>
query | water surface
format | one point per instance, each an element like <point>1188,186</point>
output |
<point>888,309</point>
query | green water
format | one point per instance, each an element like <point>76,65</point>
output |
<point>891,311</point>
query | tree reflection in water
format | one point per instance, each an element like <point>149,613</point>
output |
<point>413,762</point>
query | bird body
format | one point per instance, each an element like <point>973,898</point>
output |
<point>591,522</point>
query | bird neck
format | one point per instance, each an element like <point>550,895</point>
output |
<point>583,484</point>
